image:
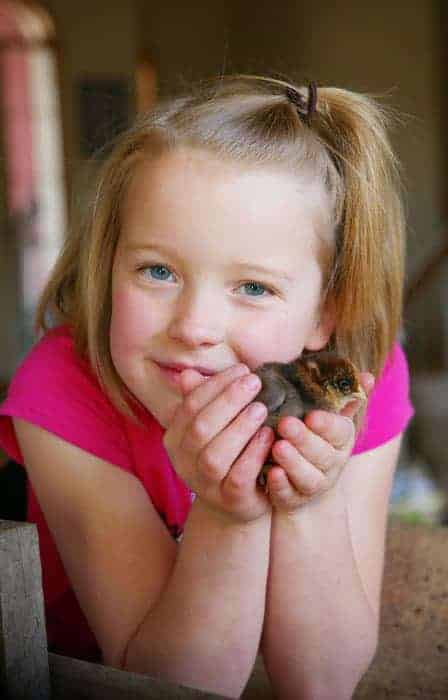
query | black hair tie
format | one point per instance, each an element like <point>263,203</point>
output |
<point>305,108</point>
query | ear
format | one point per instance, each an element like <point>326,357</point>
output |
<point>323,327</point>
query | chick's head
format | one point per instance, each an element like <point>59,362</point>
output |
<point>332,380</point>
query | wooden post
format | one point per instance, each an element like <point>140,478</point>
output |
<point>24,673</point>
<point>73,679</point>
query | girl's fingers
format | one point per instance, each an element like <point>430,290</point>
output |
<point>337,430</point>
<point>206,424</point>
<point>253,453</point>
<point>351,409</point>
<point>205,391</point>
<point>198,392</point>
<point>189,380</point>
<point>224,449</point>
<point>243,475</point>
<point>309,450</point>
<point>282,494</point>
<point>320,450</point>
<point>367,382</point>
<point>305,477</point>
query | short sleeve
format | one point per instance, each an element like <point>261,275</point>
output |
<point>389,409</point>
<point>56,390</point>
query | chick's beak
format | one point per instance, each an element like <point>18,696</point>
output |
<point>360,394</point>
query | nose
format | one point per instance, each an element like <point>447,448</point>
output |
<point>197,321</point>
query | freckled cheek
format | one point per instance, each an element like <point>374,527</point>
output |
<point>134,321</point>
<point>279,339</point>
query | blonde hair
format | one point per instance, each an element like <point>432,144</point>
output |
<point>250,120</point>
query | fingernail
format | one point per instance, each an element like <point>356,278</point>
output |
<point>317,421</point>
<point>292,430</point>
<point>251,382</point>
<point>257,410</point>
<point>264,434</point>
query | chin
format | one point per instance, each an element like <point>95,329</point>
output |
<point>164,414</point>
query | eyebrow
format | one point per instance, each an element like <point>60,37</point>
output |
<point>136,245</point>
<point>163,250</point>
<point>272,272</point>
<point>239,265</point>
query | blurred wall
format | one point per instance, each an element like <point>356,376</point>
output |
<point>389,49</point>
<point>97,39</point>
<point>9,335</point>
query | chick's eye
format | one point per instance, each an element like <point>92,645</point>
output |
<point>344,385</point>
<point>156,272</point>
<point>256,289</point>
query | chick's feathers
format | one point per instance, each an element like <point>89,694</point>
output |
<point>322,380</point>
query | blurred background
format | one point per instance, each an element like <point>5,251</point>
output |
<point>73,74</point>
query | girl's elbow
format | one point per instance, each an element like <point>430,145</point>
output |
<point>223,676</point>
<point>115,659</point>
<point>333,679</point>
<point>347,681</point>
<point>367,657</point>
<point>367,651</point>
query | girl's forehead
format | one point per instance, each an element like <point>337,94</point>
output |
<point>195,190</point>
<point>200,171</point>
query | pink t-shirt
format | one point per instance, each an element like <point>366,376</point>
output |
<point>57,390</point>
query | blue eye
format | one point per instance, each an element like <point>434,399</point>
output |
<point>158,272</point>
<point>256,289</point>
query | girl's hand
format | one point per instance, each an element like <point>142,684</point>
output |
<point>214,443</point>
<point>312,455</point>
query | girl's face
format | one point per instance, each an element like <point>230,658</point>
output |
<point>216,264</point>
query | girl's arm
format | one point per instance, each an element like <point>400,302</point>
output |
<point>206,634</point>
<point>322,615</point>
<point>190,613</point>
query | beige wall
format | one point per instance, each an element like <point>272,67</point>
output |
<point>9,333</point>
<point>387,48</point>
<point>97,39</point>
<point>187,39</point>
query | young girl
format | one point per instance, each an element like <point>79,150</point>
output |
<point>245,222</point>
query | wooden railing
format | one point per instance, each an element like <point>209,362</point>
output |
<point>27,670</point>
<point>411,662</point>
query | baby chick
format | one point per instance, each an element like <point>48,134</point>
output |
<point>321,380</point>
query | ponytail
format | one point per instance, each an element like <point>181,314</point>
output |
<point>367,276</point>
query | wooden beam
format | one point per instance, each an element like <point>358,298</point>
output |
<point>72,679</point>
<point>24,672</point>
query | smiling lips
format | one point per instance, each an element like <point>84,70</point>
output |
<point>172,371</point>
<point>179,367</point>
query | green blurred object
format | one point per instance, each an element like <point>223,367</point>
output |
<point>415,497</point>
<point>413,518</point>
